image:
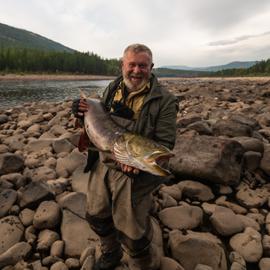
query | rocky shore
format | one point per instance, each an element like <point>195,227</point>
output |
<point>213,213</point>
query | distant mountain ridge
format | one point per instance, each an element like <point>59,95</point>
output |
<point>232,65</point>
<point>19,38</point>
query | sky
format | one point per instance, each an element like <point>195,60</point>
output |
<point>194,33</point>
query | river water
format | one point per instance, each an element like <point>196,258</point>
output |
<point>13,93</point>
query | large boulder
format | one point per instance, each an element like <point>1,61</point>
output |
<point>208,158</point>
<point>192,248</point>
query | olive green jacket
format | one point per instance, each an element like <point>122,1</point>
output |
<point>157,119</point>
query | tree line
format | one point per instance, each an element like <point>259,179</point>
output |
<point>261,68</point>
<point>38,61</point>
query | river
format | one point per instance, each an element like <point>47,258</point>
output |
<point>13,93</point>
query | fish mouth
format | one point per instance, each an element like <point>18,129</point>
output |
<point>157,160</point>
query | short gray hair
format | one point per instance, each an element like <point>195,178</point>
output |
<point>137,48</point>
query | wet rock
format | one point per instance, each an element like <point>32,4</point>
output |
<point>181,217</point>
<point>194,248</point>
<point>7,198</point>
<point>248,244</point>
<point>11,232</point>
<point>207,158</point>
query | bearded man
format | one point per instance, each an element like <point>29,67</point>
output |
<point>119,196</point>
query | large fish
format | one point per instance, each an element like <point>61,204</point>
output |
<point>128,148</point>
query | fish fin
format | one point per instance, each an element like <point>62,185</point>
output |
<point>122,156</point>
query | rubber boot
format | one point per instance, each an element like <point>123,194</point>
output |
<point>147,260</point>
<point>111,253</point>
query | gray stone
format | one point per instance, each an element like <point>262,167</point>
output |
<point>46,238</point>
<point>80,180</point>
<point>14,254</point>
<point>26,216</point>
<point>250,144</point>
<point>237,261</point>
<point>57,248</point>
<point>194,248</point>
<point>248,244</point>
<point>181,217</point>
<point>47,216</point>
<point>231,128</point>
<point>207,158</point>
<point>265,161</point>
<point>172,190</point>
<point>167,263</point>
<point>71,162</point>
<point>251,197</point>
<point>72,263</point>
<point>10,163</point>
<point>7,198</point>
<point>11,232</point>
<point>226,222</point>
<point>195,190</point>
<point>264,264</point>
<point>62,145</point>
<point>75,202</point>
<point>76,233</point>
<point>3,119</point>
<point>38,145</point>
<point>32,194</point>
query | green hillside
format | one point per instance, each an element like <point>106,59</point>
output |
<point>11,37</point>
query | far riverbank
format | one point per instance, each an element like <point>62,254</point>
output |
<point>53,77</point>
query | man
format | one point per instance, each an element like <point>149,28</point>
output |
<point>119,196</point>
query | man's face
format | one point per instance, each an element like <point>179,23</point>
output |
<point>136,69</point>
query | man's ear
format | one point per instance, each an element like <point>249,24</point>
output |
<point>121,61</point>
<point>152,65</point>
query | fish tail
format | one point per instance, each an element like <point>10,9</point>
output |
<point>82,94</point>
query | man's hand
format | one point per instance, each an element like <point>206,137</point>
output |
<point>79,107</point>
<point>129,169</point>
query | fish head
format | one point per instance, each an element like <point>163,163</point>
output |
<point>142,153</point>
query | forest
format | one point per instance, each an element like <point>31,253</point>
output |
<point>24,60</point>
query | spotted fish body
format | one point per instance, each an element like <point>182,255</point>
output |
<point>128,148</point>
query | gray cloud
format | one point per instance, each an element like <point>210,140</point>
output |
<point>236,40</point>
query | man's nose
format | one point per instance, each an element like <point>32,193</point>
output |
<point>136,69</point>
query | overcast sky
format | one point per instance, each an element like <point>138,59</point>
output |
<point>179,32</point>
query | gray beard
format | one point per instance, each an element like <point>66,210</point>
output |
<point>132,88</point>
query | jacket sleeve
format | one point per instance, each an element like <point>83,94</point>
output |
<point>165,128</point>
